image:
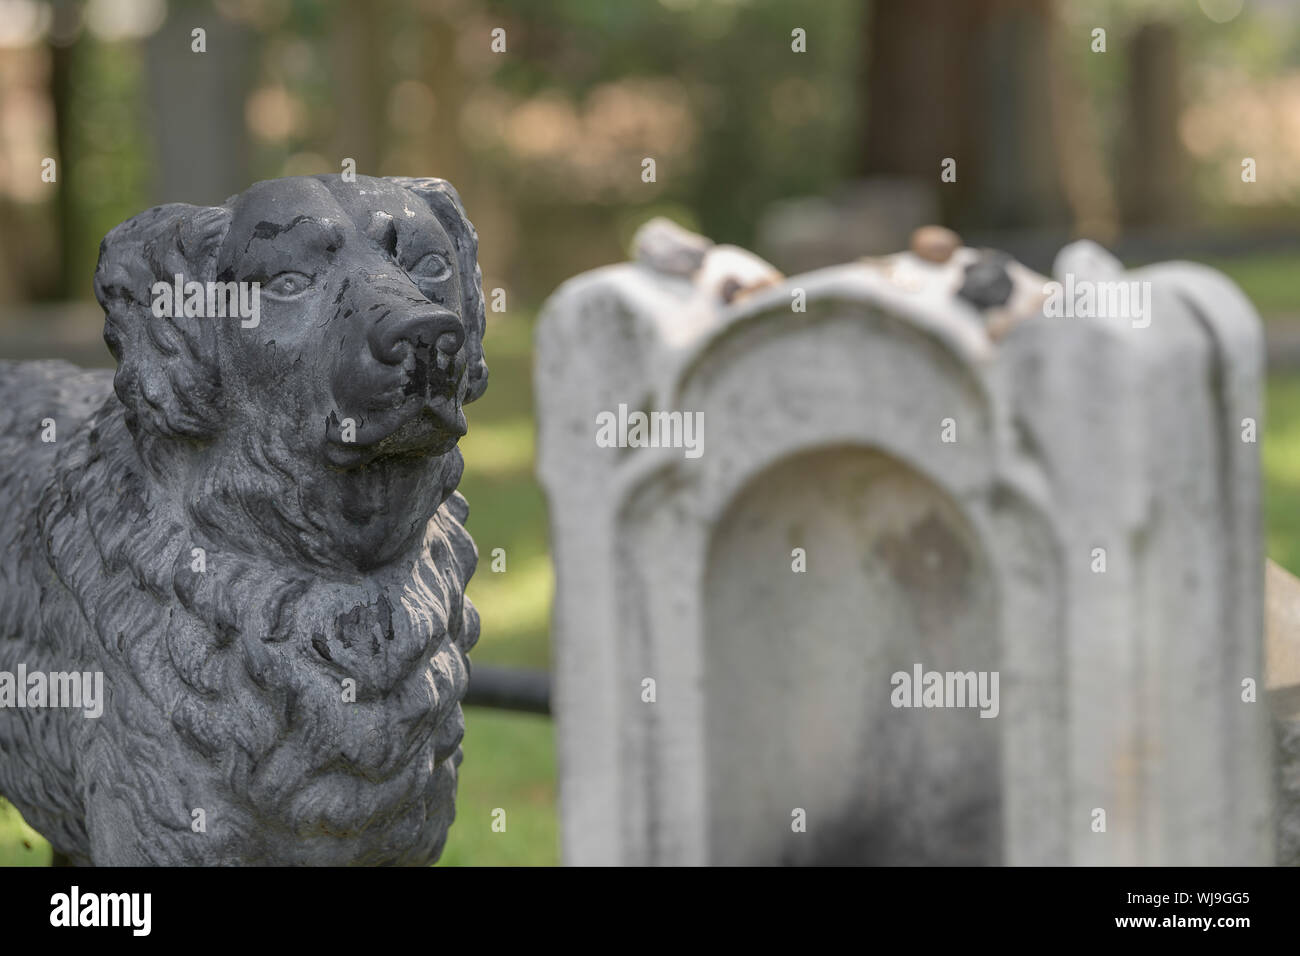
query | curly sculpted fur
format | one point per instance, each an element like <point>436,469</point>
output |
<point>252,531</point>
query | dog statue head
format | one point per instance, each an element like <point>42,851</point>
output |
<point>323,331</point>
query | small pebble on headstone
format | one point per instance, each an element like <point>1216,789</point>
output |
<point>987,283</point>
<point>935,243</point>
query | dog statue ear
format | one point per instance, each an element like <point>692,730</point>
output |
<point>167,375</point>
<point>443,199</point>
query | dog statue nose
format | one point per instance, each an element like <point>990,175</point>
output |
<point>434,329</point>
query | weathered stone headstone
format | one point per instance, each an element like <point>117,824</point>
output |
<point>912,560</point>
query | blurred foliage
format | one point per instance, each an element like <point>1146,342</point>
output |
<point>766,123</point>
<point>109,176</point>
<point>546,140</point>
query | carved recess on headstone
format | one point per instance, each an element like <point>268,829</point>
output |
<point>781,508</point>
<point>248,540</point>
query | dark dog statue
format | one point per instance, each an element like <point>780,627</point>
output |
<point>251,531</point>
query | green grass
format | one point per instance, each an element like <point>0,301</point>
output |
<point>507,510</point>
<point>20,845</point>
<point>1280,455</point>
<point>1268,280</point>
<point>509,758</point>
<point>509,765</point>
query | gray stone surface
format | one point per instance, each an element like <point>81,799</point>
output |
<point>331,560</point>
<point>823,430</point>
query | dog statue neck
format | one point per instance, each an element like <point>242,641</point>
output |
<point>250,494</point>
<point>237,660</point>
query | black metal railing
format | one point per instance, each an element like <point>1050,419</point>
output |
<point>509,688</point>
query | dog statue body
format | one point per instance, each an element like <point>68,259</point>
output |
<point>251,531</point>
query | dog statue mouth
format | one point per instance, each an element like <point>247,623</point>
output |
<point>428,428</point>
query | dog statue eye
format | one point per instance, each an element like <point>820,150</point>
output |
<point>288,285</point>
<point>433,266</point>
